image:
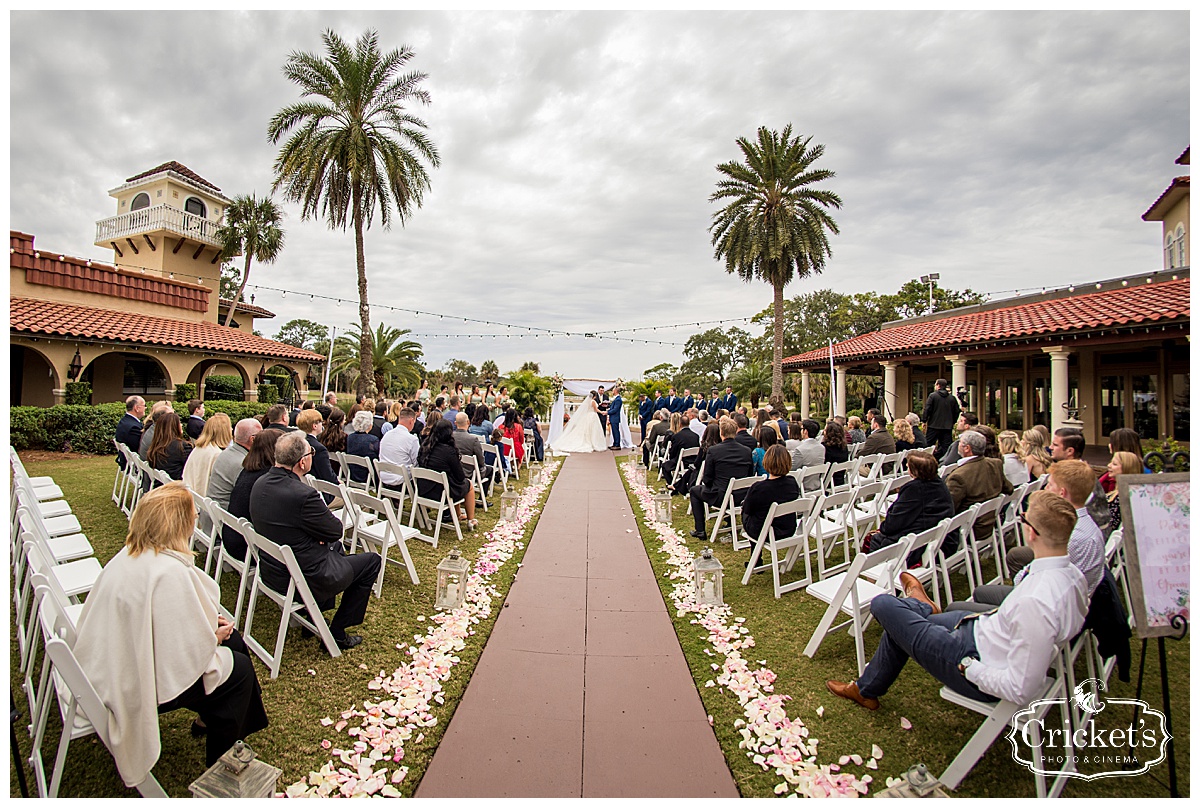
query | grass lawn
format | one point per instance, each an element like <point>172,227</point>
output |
<point>297,700</point>
<point>781,628</point>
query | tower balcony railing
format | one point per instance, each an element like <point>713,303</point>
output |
<point>159,217</point>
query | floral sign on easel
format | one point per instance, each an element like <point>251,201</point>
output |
<point>1156,514</point>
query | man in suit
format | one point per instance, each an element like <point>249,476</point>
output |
<point>288,512</point>
<point>724,462</point>
<point>195,421</point>
<point>673,400</point>
<point>810,452</point>
<point>466,443</point>
<point>277,418</point>
<point>614,417</point>
<point>660,402</point>
<point>688,401</point>
<point>714,403</point>
<point>966,421</point>
<point>975,479</point>
<point>1068,443</point>
<point>228,464</point>
<point>731,401</point>
<point>645,410</point>
<point>602,407</point>
<point>880,441</point>
<point>129,428</point>
<point>743,435</point>
<point>685,438</point>
<point>659,426</point>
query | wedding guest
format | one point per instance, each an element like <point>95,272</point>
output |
<point>393,415</point>
<point>975,479</point>
<point>711,437</point>
<point>921,504</point>
<point>169,451</point>
<point>727,460</point>
<point>439,453</point>
<point>512,429</point>
<point>313,426</point>
<point>792,444</point>
<point>334,436</point>
<point>810,451</point>
<point>379,418</point>
<point>214,437</point>
<point>1014,469</point>
<point>129,428</point>
<point>1068,443</point>
<point>331,399</point>
<point>767,438</point>
<point>148,427</point>
<point>743,435</point>
<point>681,438</point>
<point>903,433</point>
<point>966,421</point>
<point>779,487</point>
<point>1121,463</point>
<point>697,420</point>
<point>836,449</point>
<point>764,420</point>
<point>480,425</point>
<point>277,418</point>
<point>1034,454</point>
<point>152,618</point>
<point>659,427</point>
<point>467,444</point>
<point>529,424</point>
<point>228,464</point>
<point>195,421</point>
<point>879,441</point>
<point>992,448</point>
<point>1126,440</point>
<point>363,444</point>
<point>914,421</point>
<point>855,432</point>
<point>258,461</point>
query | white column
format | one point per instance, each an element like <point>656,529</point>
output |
<point>1059,385</point>
<point>958,373</point>
<point>839,396</point>
<point>805,383</point>
<point>889,391</point>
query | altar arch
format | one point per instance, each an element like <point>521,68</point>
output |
<point>581,387</point>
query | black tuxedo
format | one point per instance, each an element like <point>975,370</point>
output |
<point>726,461</point>
<point>129,432</point>
<point>747,440</point>
<point>288,512</point>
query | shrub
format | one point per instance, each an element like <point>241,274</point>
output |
<point>27,427</point>
<point>223,387</point>
<point>268,394</point>
<point>857,412</point>
<point>78,393</point>
<point>185,392</point>
<point>236,410</point>
<point>77,428</point>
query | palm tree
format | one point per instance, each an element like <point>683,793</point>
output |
<point>773,227</point>
<point>752,381</point>
<point>527,389</point>
<point>355,150</point>
<point>251,229</point>
<point>396,361</point>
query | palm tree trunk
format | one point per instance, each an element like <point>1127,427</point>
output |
<point>241,290</point>
<point>777,354</point>
<point>366,363</point>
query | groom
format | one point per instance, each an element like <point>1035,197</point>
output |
<point>614,417</point>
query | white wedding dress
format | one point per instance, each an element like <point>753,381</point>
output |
<point>583,433</point>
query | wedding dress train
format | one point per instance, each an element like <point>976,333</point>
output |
<point>583,433</point>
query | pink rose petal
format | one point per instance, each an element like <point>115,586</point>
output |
<point>905,723</point>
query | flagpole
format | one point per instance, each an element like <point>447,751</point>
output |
<point>329,361</point>
<point>832,381</point>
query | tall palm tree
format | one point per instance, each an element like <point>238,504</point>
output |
<point>751,381</point>
<point>773,227</point>
<point>251,229</point>
<point>396,361</point>
<point>355,150</point>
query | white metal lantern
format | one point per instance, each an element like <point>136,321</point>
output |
<point>662,507</point>
<point>917,782</point>
<point>451,581</point>
<point>638,474</point>
<point>237,774</point>
<point>508,505</point>
<point>709,574</point>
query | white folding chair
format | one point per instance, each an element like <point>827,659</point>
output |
<point>870,467</point>
<point>471,469</point>
<point>850,594</point>
<point>656,452</point>
<point>890,492</point>
<point>228,561</point>
<point>929,542</point>
<point>813,480</point>
<point>510,452</point>
<point>987,541</point>
<point>999,719</point>
<point>849,471</point>
<point>57,521</point>
<point>293,604</point>
<point>855,450</point>
<point>729,509</point>
<point>681,466</point>
<point>830,528</point>
<point>493,461</point>
<point>382,533</point>
<point>784,552</point>
<point>206,532</point>
<point>961,558</point>
<point>890,465</point>
<point>432,509</point>
<point>863,514</point>
<point>65,582</point>
<point>45,487</point>
<point>348,460</point>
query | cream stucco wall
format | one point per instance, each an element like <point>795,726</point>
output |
<point>1179,214</point>
<point>18,287</point>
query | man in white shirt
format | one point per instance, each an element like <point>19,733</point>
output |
<point>399,446</point>
<point>999,655</point>
<point>699,421</point>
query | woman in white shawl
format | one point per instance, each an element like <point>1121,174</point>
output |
<point>216,435</point>
<point>151,641</point>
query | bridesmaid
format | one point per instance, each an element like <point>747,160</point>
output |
<point>476,397</point>
<point>423,392</point>
<point>489,400</point>
<point>502,401</point>
<point>458,391</point>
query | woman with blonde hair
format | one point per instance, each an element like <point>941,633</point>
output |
<point>1034,453</point>
<point>216,435</point>
<point>1121,463</point>
<point>151,639</point>
<point>1014,469</point>
<point>902,432</point>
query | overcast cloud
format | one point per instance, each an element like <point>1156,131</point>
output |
<point>1002,150</point>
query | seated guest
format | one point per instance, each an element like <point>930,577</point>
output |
<point>277,418</point>
<point>836,449</point>
<point>659,426</point>
<point>129,428</point>
<point>1121,440</point>
<point>379,419</point>
<point>258,461</point>
<point>966,421</point>
<point>333,437</point>
<point>992,445</point>
<point>903,434</point>
<point>743,435</point>
<point>169,451</point>
<point>439,453</point>
<point>393,414</point>
<point>497,440</point>
<point>697,420</point>
<point>854,431</point>
<point>766,439</point>
<point>512,429</point>
<point>993,656</point>
<point>195,421</point>
<point>419,422</point>
<point>809,450</point>
<point>288,512</point>
<point>1068,443</point>
<point>362,443</point>
<point>151,639</point>
<point>914,421</point>
<point>480,425</point>
<point>921,504</point>
<point>764,418</point>
<point>1034,454</point>
<point>1121,463</point>
<point>1014,469</point>
<point>214,437</point>
<point>451,412</point>
<point>976,479</point>
<point>468,445</point>
<point>529,424</point>
<point>778,487</point>
<point>148,427</point>
<point>310,423</point>
<point>792,444</point>
<point>727,460</point>
<point>879,441</point>
<point>228,464</point>
<point>712,436</point>
<point>682,437</point>
<point>400,446</point>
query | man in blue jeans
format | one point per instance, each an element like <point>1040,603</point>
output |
<point>998,655</point>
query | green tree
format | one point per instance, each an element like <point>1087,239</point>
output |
<point>396,364</point>
<point>712,354</point>
<point>354,150</point>
<point>301,333</point>
<point>527,389</point>
<point>913,299</point>
<point>489,371</point>
<point>459,370</point>
<point>531,366</point>
<point>250,229</point>
<point>231,279</point>
<point>773,227</point>
<point>752,381</point>
<point>663,370</point>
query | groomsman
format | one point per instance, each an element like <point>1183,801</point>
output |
<point>688,401</point>
<point>674,403</point>
<point>714,403</point>
<point>701,404</point>
<point>645,410</point>
<point>614,417</point>
<point>731,401</point>
<point>660,401</point>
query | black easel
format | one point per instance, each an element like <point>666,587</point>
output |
<point>1180,624</point>
<point>14,716</point>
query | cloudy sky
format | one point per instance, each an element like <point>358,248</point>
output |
<point>1002,150</point>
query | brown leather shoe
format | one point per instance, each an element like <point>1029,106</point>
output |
<point>913,589</point>
<point>849,690</point>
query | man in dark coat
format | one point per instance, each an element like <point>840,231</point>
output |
<point>129,428</point>
<point>685,438</point>
<point>288,512</point>
<point>645,411</point>
<point>724,462</point>
<point>743,435</point>
<point>940,414</point>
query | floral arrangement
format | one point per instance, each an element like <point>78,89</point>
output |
<point>771,738</point>
<point>367,762</point>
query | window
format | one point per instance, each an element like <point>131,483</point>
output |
<point>1180,252</point>
<point>1182,406</point>
<point>1169,251</point>
<point>1112,403</point>
<point>142,376</point>
<point>140,201</point>
<point>195,206</point>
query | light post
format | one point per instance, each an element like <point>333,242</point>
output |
<point>931,279</point>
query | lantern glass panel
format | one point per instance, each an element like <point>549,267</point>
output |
<point>709,579</point>
<point>508,505</point>
<point>451,582</point>
<point>662,507</point>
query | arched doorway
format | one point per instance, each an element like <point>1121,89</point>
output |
<point>217,366</point>
<point>33,379</point>
<point>116,375</point>
<point>286,381</point>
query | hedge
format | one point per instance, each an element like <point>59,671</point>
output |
<point>268,394</point>
<point>26,427</point>
<point>223,387</point>
<point>185,392</point>
<point>78,393</point>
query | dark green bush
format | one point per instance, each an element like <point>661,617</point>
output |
<point>223,387</point>
<point>185,392</point>
<point>77,428</point>
<point>78,393</point>
<point>27,427</point>
<point>236,410</point>
<point>268,394</point>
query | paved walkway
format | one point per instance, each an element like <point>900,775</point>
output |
<point>582,690</point>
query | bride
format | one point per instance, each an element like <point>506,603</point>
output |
<point>583,433</point>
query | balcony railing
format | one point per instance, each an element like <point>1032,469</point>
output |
<point>159,217</point>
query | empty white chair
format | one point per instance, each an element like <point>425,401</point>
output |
<point>206,533</point>
<point>382,533</point>
<point>849,471</point>
<point>471,469</point>
<point>961,558</point>
<point>830,528</point>
<point>812,479</point>
<point>986,541</point>
<point>433,509</point>
<point>226,560</point>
